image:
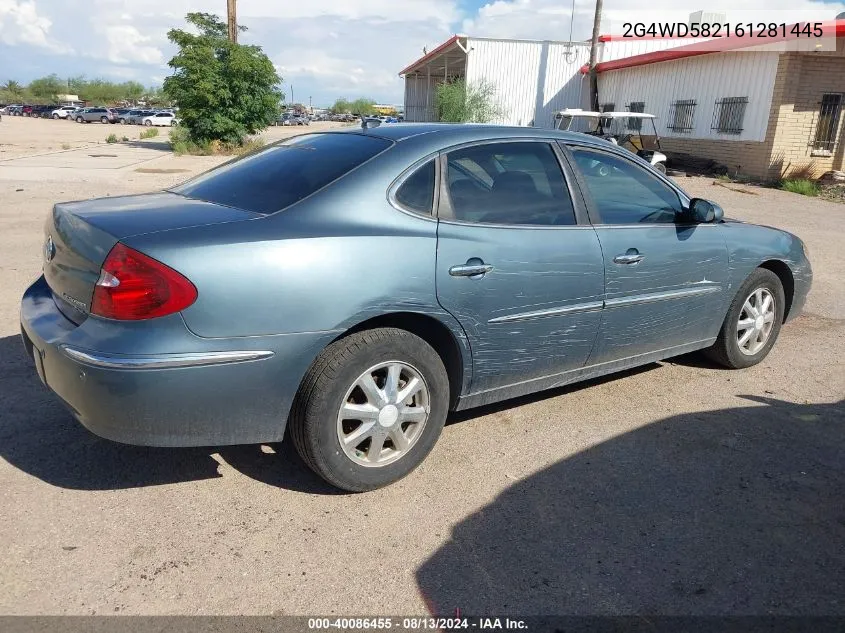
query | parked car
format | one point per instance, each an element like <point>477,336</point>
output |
<point>14,110</point>
<point>355,285</point>
<point>284,119</point>
<point>42,111</point>
<point>301,120</point>
<point>136,117</point>
<point>26,110</point>
<point>160,119</point>
<point>89,115</point>
<point>62,112</point>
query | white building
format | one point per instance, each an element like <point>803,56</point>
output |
<point>762,110</point>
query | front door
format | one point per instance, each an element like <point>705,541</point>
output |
<point>665,277</point>
<point>514,265</point>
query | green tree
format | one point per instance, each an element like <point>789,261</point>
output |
<point>459,103</point>
<point>224,90</point>
<point>13,87</point>
<point>363,106</point>
<point>48,87</point>
<point>341,106</point>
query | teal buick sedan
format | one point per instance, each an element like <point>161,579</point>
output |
<point>352,287</point>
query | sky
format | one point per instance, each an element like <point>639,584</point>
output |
<point>323,49</point>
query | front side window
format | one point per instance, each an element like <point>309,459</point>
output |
<point>416,193</point>
<point>284,173</point>
<point>626,193</point>
<point>508,183</point>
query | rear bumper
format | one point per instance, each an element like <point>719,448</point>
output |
<point>154,383</point>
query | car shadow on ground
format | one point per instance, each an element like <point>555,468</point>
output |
<point>40,437</point>
<point>729,512</point>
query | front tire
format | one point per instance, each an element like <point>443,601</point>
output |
<point>55,116</point>
<point>148,123</point>
<point>753,322</point>
<point>370,408</point>
<point>661,167</point>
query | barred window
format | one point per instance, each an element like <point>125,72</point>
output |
<point>728,115</point>
<point>636,124</point>
<point>681,115</point>
<point>826,128</point>
<point>607,107</point>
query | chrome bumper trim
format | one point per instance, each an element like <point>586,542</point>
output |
<point>164,361</point>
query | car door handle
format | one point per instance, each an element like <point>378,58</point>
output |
<point>472,270</point>
<point>632,256</point>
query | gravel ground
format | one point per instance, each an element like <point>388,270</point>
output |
<point>677,488</point>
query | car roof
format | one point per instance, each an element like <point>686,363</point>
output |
<point>453,133</point>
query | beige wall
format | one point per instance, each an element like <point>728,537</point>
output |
<point>796,114</point>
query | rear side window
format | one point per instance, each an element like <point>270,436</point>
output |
<point>280,175</point>
<point>508,183</point>
<point>417,192</point>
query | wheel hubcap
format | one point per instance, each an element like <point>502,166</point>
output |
<point>756,320</point>
<point>383,414</point>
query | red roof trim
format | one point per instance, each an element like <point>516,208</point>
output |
<point>431,54</point>
<point>634,38</point>
<point>836,28</point>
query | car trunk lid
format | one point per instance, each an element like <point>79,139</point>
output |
<point>79,236</point>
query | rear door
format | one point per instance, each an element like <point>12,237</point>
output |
<point>665,276</point>
<point>517,262</point>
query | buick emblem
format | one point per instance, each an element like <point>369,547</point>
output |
<point>49,249</point>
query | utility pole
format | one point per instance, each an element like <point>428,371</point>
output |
<point>594,45</point>
<point>232,20</point>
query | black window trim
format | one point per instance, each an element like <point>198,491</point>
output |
<point>407,173</point>
<point>582,220</point>
<point>592,208</point>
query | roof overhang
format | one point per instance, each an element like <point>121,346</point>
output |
<point>451,54</point>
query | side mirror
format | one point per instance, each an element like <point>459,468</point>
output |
<point>704,212</point>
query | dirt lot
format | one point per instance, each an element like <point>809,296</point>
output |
<point>678,488</point>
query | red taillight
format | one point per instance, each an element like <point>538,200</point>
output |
<point>133,286</point>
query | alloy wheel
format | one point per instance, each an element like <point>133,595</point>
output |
<point>756,320</point>
<point>383,414</point>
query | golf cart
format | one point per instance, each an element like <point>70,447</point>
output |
<point>620,128</point>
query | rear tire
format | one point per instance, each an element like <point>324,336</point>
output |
<point>79,119</point>
<point>752,324</point>
<point>55,116</point>
<point>319,416</point>
<point>661,167</point>
<point>148,123</point>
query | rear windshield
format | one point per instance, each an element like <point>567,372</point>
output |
<point>284,173</point>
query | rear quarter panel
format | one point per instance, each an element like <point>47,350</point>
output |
<point>327,263</point>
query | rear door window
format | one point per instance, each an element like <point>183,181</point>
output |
<point>280,175</point>
<point>517,183</point>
